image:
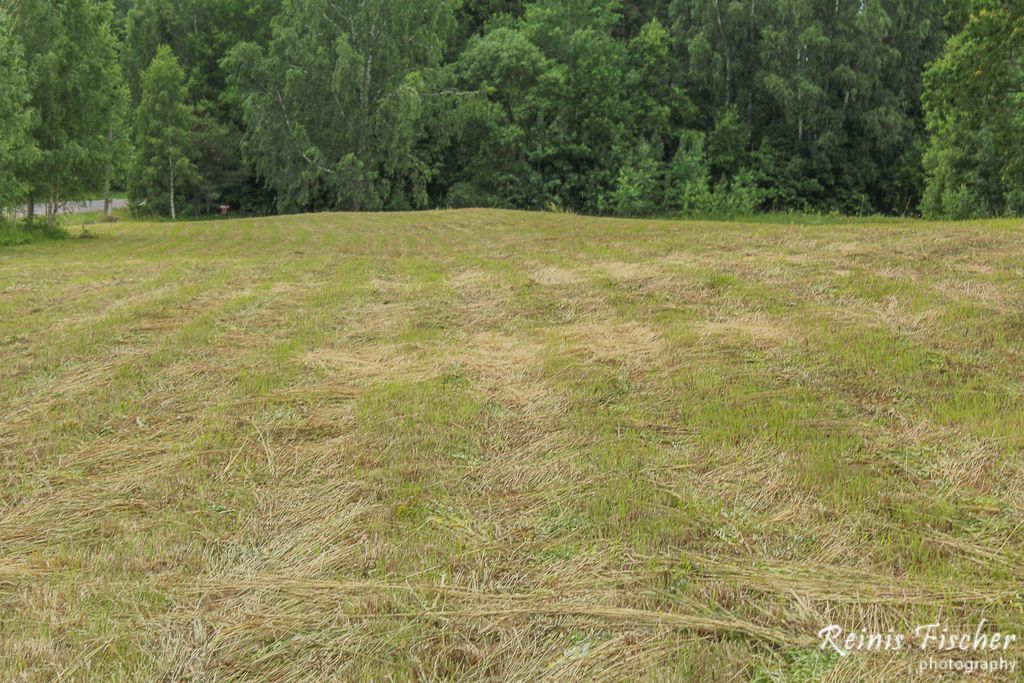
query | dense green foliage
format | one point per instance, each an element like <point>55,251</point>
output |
<point>975,102</point>
<point>164,146</point>
<point>334,106</point>
<point>828,92</point>
<point>738,104</point>
<point>626,107</point>
<point>16,146</point>
<point>74,96</point>
<point>201,33</point>
<point>13,234</point>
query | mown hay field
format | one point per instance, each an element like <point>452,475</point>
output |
<point>484,445</point>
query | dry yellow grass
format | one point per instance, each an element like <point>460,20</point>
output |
<point>485,445</point>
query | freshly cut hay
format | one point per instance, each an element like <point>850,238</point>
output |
<point>510,488</point>
<point>211,490</point>
<point>895,316</point>
<point>505,368</point>
<point>19,287</point>
<point>878,667</point>
<point>500,358</point>
<point>482,299</point>
<point>1005,301</point>
<point>499,365</point>
<point>975,469</point>
<point>622,270</point>
<point>976,268</point>
<point>906,273</point>
<point>309,530</point>
<point>755,327</point>
<point>382,320</point>
<point>984,556</point>
<point>924,451</point>
<point>439,601</point>
<point>757,475</point>
<point>837,583</point>
<point>475,280</point>
<point>364,365</point>
<point>686,260</point>
<point>553,276</point>
<point>15,572</point>
<point>73,379</point>
<point>602,341</point>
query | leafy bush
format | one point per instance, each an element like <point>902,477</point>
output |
<point>464,195</point>
<point>637,189</point>
<point>962,203</point>
<point>740,196</point>
<point>14,233</point>
<point>687,182</point>
<point>1015,201</point>
<point>974,164</point>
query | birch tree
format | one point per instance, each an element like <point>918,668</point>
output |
<point>73,77</point>
<point>17,149</point>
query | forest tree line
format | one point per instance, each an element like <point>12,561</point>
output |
<point>624,107</point>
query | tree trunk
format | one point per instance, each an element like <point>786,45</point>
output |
<point>52,207</point>
<point>31,217</point>
<point>107,210</point>
<point>174,214</point>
